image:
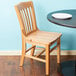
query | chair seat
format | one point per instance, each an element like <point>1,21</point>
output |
<point>43,37</point>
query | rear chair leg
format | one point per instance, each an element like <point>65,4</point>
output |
<point>33,50</point>
<point>58,51</point>
<point>23,52</point>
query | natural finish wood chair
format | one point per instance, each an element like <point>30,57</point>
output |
<point>32,35</point>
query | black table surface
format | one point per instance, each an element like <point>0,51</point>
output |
<point>66,22</point>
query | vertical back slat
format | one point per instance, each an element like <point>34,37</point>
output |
<point>31,18</point>
<point>23,17</point>
<point>28,20</point>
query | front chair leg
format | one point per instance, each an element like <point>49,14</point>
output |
<point>58,51</point>
<point>23,52</point>
<point>47,60</point>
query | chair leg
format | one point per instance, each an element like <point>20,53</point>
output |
<point>47,60</point>
<point>58,51</point>
<point>32,50</point>
<point>23,52</point>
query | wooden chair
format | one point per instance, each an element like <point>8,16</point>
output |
<point>32,35</point>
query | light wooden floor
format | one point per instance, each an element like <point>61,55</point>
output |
<point>9,66</point>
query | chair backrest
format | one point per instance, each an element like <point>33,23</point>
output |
<point>26,17</point>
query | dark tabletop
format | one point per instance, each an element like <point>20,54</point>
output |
<point>67,22</point>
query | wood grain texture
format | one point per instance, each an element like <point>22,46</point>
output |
<point>9,66</point>
<point>58,51</point>
<point>47,60</point>
<point>23,50</point>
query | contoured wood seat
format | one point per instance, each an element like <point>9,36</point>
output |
<point>42,37</point>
